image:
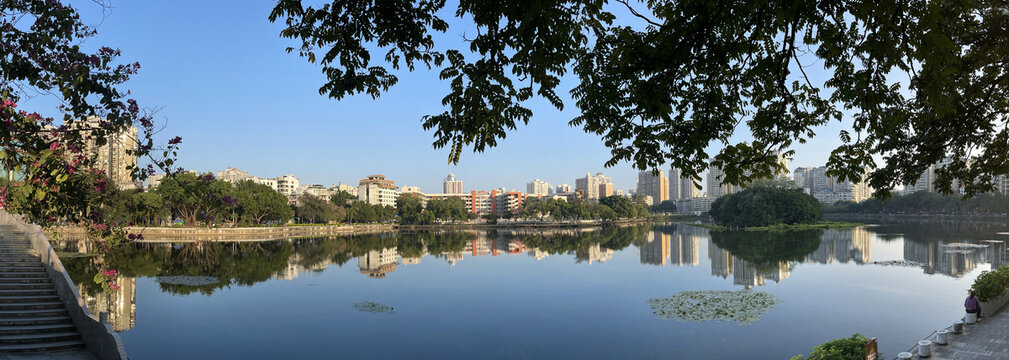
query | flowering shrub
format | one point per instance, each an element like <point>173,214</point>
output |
<point>49,170</point>
<point>107,279</point>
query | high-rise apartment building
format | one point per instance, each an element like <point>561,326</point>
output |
<point>538,187</point>
<point>563,188</point>
<point>605,190</point>
<point>653,184</point>
<point>113,158</point>
<point>452,185</point>
<point>590,184</point>
<point>681,187</point>
<point>377,190</point>
<point>715,186</point>
<point>828,189</point>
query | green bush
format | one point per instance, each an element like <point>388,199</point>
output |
<point>852,348</point>
<point>991,284</point>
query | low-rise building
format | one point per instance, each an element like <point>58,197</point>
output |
<point>288,185</point>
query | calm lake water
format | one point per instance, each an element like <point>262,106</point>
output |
<point>541,294</point>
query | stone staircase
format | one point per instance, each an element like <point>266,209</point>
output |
<point>32,317</point>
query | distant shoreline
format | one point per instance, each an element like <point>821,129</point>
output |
<point>783,227</point>
<point>179,234</point>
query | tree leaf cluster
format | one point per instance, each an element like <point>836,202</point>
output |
<point>924,202</point>
<point>764,206</point>
<point>913,82</point>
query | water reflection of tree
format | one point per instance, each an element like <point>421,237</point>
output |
<point>613,238</point>
<point>312,252</point>
<point>942,230</point>
<point>768,248</point>
<point>435,243</point>
<point>233,263</point>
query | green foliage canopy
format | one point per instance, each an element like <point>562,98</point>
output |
<point>917,81</point>
<point>766,205</point>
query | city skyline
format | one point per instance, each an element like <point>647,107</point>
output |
<point>272,123</point>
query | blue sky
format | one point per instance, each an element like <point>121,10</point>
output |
<point>219,73</point>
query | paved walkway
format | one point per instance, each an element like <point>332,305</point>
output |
<point>986,340</point>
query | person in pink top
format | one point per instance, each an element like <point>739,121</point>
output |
<point>973,305</point>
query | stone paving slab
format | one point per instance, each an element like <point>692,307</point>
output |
<point>986,340</point>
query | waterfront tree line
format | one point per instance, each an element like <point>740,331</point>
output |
<point>412,210</point>
<point>188,199</point>
<point>925,202</point>
<point>201,200</point>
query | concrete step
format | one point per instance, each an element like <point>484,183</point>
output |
<point>24,280</point>
<point>13,314</point>
<point>39,338</point>
<point>36,320</point>
<point>35,329</point>
<point>15,259</point>
<point>29,298</point>
<point>28,286</point>
<point>14,265</point>
<point>23,274</point>
<point>38,305</point>
<point>52,346</point>
<point>29,269</point>
<point>17,292</point>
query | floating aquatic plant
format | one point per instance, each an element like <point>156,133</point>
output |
<point>371,307</point>
<point>188,280</point>
<point>743,306</point>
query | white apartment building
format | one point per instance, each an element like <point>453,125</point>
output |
<point>350,189</point>
<point>590,184</point>
<point>154,180</point>
<point>233,175</point>
<point>538,187</point>
<point>272,183</point>
<point>288,186</point>
<point>376,190</point>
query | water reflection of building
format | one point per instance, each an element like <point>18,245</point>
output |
<point>956,259</point>
<point>744,273</point>
<point>684,249</point>
<point>121,305</point>
<point>594,253</point>
<point>843,246</point>
<point>722,262</point>
<point>655,249</point>
<point>538,254</point>
<point>377,263</point>
<point>995,253</point>
<point>453,257</point>
<point>681,247</point>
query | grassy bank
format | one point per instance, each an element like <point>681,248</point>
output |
<point>785,227</point>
